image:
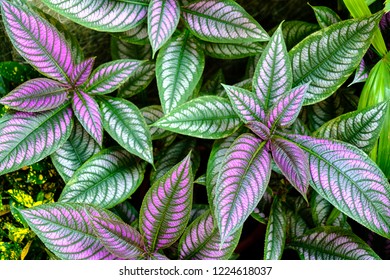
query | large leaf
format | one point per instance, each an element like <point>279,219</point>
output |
<point>222,22</point>
<point>36,95</point>
<point>201,241</point>
<point>273,77</point>
<point>243,178</point>
<point>350,180</point>
<point>87,112</point>
<point>360,128</point>
<point>275,236</point>
<point>327,66</point>
<point>102,15</point>
<point>163,17</point>
<point>79,147</point>
<point>166,207</point>
<point>126,125</point>
<point>332,243</point>
<point>209,117</point>
<point>118,237</point>
<point>106,179</point>
<point>67,231</point>
<point>38,42</point>
<point>109,76</point>
<point>29,137</point>
<point>179,67</point>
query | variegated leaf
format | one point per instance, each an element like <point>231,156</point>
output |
<point>350,180</point>
<point>137,35</point>
<point>243,178</point>
<point>275,236</point>
<point>123,50</point>
<point>232,50</point>
<point>361,73</point>
<point>245,103</point>
<point>38,42</point>
<point>139,80</point>
<point>293,163</point>
<point>81,71</point>
<point>105,180</point>
<point>201,241</point>
<point>325,16</point>
<point>126,125</point>
<point>295,31</point>
<point>332,243</point>
<point>67,231</point>
<point>26,138</point>
<point>117,237</point>
<point>286,109</point>
<point>102,15</point>
<point>163,17</point>
<point>179,67</point>
<point>109,76</point>
<point>36,95</point>
<point>327,66</point>
<point>273,76</point>
<point>222,21</point>
<point>360,128</point>
<point>208,117</point>
<point>323,212</point>
<point>79,147</point>
<point>152,114</point>
<point>87,112</point>
<point>166,207</point>
<point>127,212</point>
<point>260,130</point>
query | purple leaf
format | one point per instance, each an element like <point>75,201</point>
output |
<point>81,72</point>
<point>286,109</point>
<point>163,17</point>
<point>260,130</point>
<point>117,237</point>
<point>273,74</point>
<point>26,138</point>
<point>201,241</point>
<point>245,103</point>
<point>38,42</point>
<point>109,76</point>
<point>36,95</point>
<point>242,181</point>
<point>293,163</point>
<point>87,112</point>
<point>166,207</point>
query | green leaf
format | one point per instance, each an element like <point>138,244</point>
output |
<point>152,114</point>
<point>179,67</point>
<point>232,50</point>
<point>360,128</point>
<point>326,65</point>
<point>138,81</point>
<point>126,125</point>
<point>332,243</point>
<point>105,180</point>
<point>295,31</point>
<point>208,117</point>
<point>325,16</point>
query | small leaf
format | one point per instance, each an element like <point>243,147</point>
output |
<point>260,130</point>
<point>361,73</point>
<point>163,17</point>
<point>26,138</point>
<point>360,128</point>
<point>87,112</point>
<point>325,16</point>
<point>222,22</point>
<point>79,147</point>
<point>315,60</point>
<point>275,236</point>
<point>350,180</point>
<point>201,241</point>
<point>38,42</point>
<point>232,50</point>
<point>152,114</point>
<point>36,95</point>
<point>126,125</point>
<point>243,178</point>
<point>294,31</point>
<point>81,71</point>
<point>166,207</point>
<point>66,230</point>
<point>105,180</point>
<point>208,117</point>
<point>124,50</point>
<point>138,81</point>
<point>102,15</point>
<point>137,35</point>
<point>179,67</point>
<point>273,76</point>
<point>332,243</point>
<point>109,76</point>
<point>126,211</point>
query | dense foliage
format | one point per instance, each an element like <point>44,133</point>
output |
<point>169,129</point>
